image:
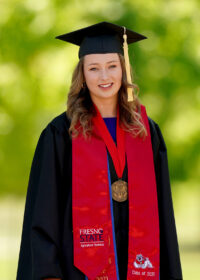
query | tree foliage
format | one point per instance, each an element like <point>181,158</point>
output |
<point>36,73</point>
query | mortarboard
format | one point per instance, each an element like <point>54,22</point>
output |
<point>104,37</point>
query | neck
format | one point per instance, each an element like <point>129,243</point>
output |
<point>107,108</point>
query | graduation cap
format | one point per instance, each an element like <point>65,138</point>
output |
<point>104,37</point>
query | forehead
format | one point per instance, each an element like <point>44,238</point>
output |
<point>100,58</point>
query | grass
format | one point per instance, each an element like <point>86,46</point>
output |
<point>11,218</point>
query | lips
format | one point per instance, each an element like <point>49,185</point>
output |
<point>105,86</point>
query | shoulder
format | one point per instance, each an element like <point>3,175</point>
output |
<point>156,135</point>
<point>56,132</point>
<point>60,123</point>
<point>55,138</point>
<point>157,139</point>
<point>153,128</point>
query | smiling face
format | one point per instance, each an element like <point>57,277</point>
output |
<point>103,75</point>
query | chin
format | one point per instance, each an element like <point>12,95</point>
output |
<point>107,96</point>
<point>104,95</point>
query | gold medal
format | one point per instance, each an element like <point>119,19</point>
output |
<point>120,190</point>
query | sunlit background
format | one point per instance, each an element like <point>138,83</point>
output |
<point>35,75</point>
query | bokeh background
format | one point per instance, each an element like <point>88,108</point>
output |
<point>35,75</point>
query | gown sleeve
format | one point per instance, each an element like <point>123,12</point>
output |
<point>40,242</point>
<point>170,265</point>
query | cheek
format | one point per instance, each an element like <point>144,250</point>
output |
<point>119,77</point>
<point>118,74</point>
<point>90,78</point>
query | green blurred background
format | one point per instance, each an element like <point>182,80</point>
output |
<point>35,75</point>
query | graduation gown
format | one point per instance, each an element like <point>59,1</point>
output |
<point>46,249</point>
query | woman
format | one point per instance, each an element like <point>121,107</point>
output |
<point>99,203</point>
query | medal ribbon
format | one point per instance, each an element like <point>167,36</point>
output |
<point>117,152</point>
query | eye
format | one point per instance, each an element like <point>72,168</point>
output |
<point>113,66</point>
<point>93,69</point>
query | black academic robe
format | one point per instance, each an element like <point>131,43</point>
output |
<point>47,238</point>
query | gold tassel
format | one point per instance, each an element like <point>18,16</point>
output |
<point>127,66</point>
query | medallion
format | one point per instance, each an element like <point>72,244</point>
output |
<point>119,190</point>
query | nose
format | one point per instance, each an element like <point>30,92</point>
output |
<point>104,74</point>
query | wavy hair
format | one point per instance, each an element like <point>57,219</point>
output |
<point>79,105</point>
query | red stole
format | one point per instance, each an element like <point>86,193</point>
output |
<point>92,222</point>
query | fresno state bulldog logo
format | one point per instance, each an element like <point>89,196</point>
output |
<point>142,262</point>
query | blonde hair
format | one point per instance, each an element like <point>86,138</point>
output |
<point>79,105</point>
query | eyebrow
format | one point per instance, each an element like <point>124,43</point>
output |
<point>107,62</point>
